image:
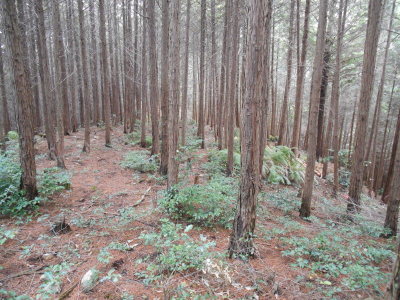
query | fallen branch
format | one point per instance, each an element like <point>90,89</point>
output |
<point>67,292</point>
<point>23,273</point>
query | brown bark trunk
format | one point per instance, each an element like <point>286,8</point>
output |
<point>24,101</point>
<point>185,76</point>
<point>200,129</point>
<point>154,96</point>
<point>285,104</point>
<point>305,209</point>
<point>370,49</point>
<point>241,240</point>
<point>144,80</point>
<point>164,87</point>
<point>104,59</point>
<point>393,290</point>
<point>85,89</point>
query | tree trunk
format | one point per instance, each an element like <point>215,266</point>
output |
<point>393,290</point>
<point>4,103</point>
<point>305,209</point>
<point>336,93</point>
<point>367,79</point>
<point>164,87</point>
<point>285,104</point>
<point>85,89</point>
<point>241,240</point>
<point>153,79</point>
<point>230,103</point>
<point>94,66</point>
<point>174,101</point>
<point>144,80</point>
<point>200,129</point>
<point>300,80</point>
<point>61,90</point>
<point>106,84</point>
<point>24,101</point>
<point>185,76</point>
<point>45,80</point>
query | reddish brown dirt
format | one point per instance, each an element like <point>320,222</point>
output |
<point>100,189</point>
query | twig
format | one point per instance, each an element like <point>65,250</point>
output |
<point>141,199</point>
<point>23,273</point>
<point>67,292</point>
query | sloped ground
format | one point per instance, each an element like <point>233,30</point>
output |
<point>110,205</point>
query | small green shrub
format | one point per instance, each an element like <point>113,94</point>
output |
<point>140,161</point>
<point>134,138</point>
<point>177,251</point>
<point>53,180</point>
<point>217,162</point>
<point>11,295</point>
<point>52,280</point>
<point>281,166</point>
<point>285,200</point>
<point>12,135</point>
<point>6,234</point>
<point>208,205</point>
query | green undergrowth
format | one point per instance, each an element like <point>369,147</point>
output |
<point>134,137</point>
<point>217,162</point>
<point>140,161</point>
<point>176,251</point>
<point>281,166</point>
<point>12,198</point>
<point>340,254</point>
<point>209,204</point>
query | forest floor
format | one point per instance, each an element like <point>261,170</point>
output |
<point>108,207</point>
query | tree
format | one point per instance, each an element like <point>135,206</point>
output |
<point>300,80</point>
<point>241,240</point>
<point>61,90</point>
<point>200,129</point>
<point>174,101</point>
<point>85,89</point>
<point>24,101</point>
<point>393,290</point>
<point>104,67</point>
<point>284,113</point>
<point>336,93</point>
<point>44,72</point>
<point>164,88</point>
<point>367,79</point>
<point>4,103</point>
<point>185,76</point>
<point>230,103</point>
<point>155,148</point>
<point>305,209</point>
<point>144,80</point>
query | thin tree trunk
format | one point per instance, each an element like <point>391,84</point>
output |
<point>45,80</point>
<point>164,87</point>
<point>144,80</point>
<point>232,86</point>
<point>61,90</point>
<point>85,89</point>
<point>94,66</point>
<point>300,80</point>
<point>285,104</point>
<point>104,58</point>
<point>200,129</point>
<point>305,209</point>
<point>4,103</point>
<point>185,76</point>
<point>174,101</point>
<point>154,97</point>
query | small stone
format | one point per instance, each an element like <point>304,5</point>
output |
<point>47,256</point>
<point>89,280</point>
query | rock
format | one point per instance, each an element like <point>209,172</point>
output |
<point>47,256</point>
<point>89,280</point>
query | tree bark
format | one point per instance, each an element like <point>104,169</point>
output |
<point>144,80</point>
<point>24,101</point>
<point>305,209</point>
<point>200,129</point>
<point>367,79</point>
<point>154,96</point>
<point>393,290</point>
<point>85,89</point>
<point>185,76</point>
<point>164,87</point>
<point>241,240</point>
<point>284,113</point>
